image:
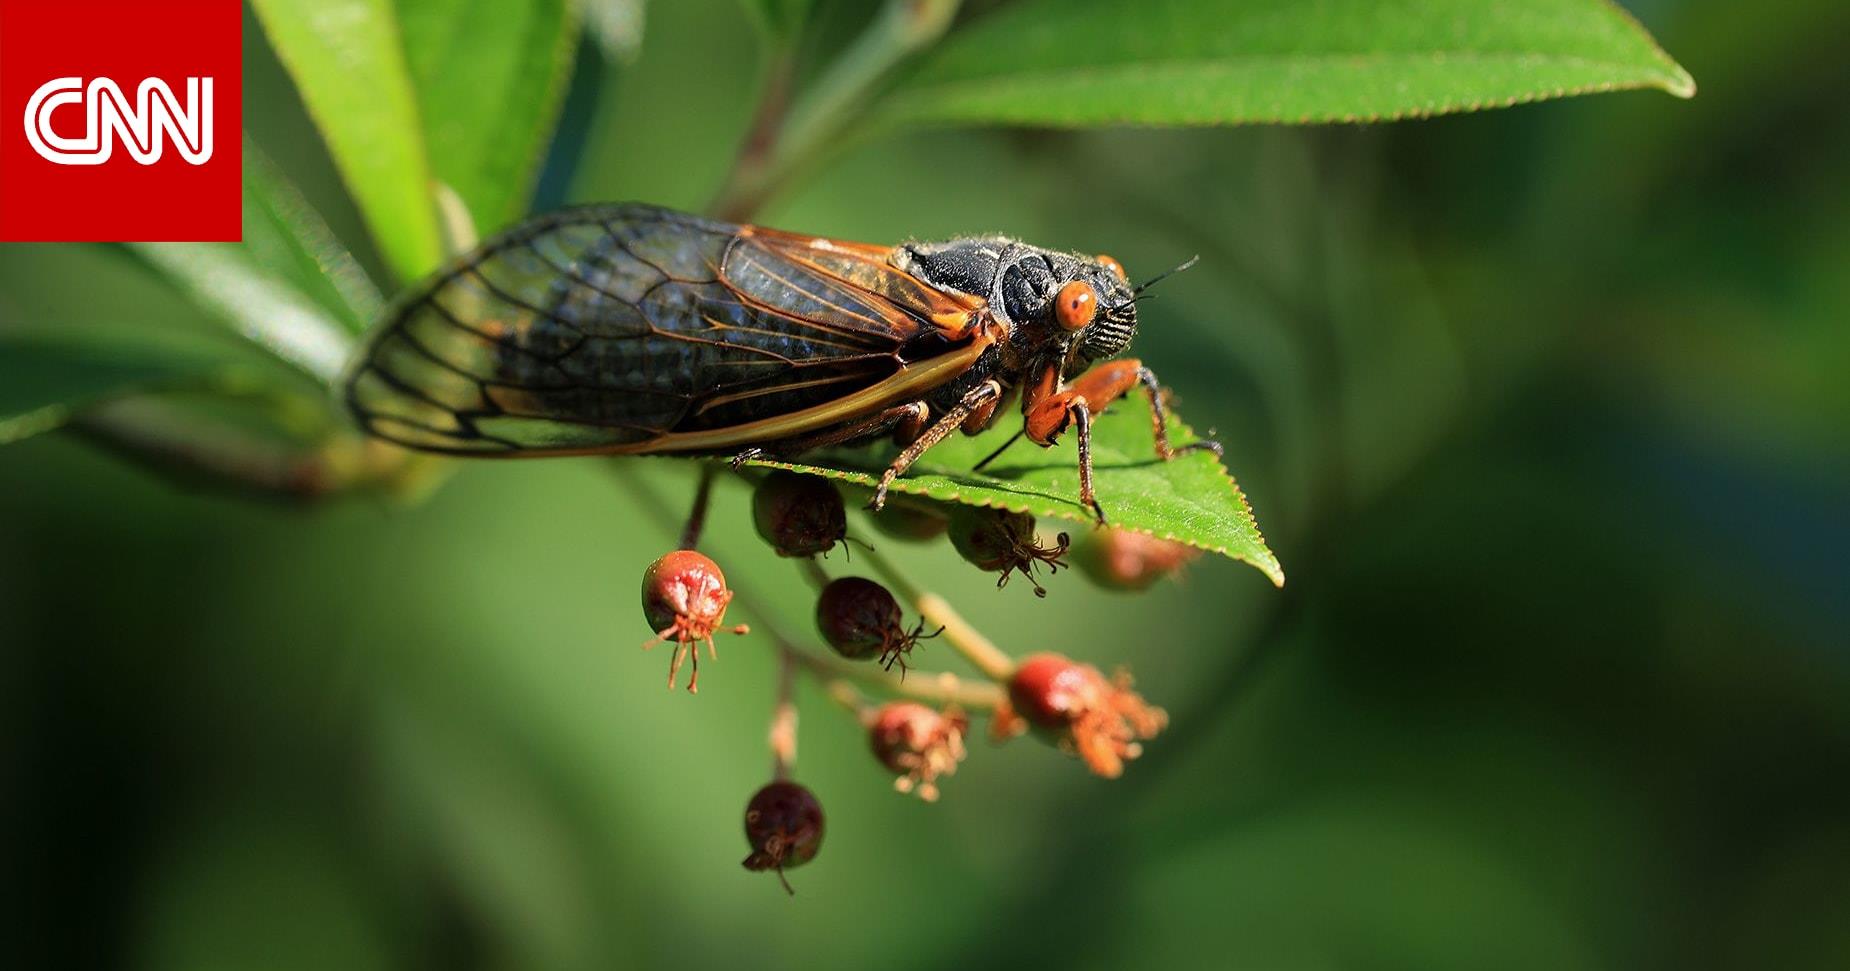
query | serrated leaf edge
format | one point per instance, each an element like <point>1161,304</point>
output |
<point>1268,564</point>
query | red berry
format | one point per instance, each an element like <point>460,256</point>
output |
<point>1049,690</point>
<point>859,619</point>
<point>1101,720</point>
<point>1128,560</point>
<point>684,597</point>
<point>799,515</point>
<point>919,744</point>
<point>1004,542</point>
<point>783,824</point>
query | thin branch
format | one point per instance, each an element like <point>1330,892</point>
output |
<point>195,451</point>
<point>697,516</point>
<point>943,688</point>
<point>979,650</point>
<point>783,735</point>
<point>850,699</point>
<point>831,107</point>
<point>759,145</point>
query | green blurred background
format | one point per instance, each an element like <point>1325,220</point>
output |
<point>1543,410</point>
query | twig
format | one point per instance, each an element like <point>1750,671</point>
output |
<point>784,718</point>
<point>850,699</point>
<point>697,516</point>
<point>830,106</point>
<point>760,142</point>
<point>942,688</point>
<point>813,571</point>
<point>195,451</point>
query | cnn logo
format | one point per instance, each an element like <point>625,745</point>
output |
<point>120,120</point>
<point>108,115</point>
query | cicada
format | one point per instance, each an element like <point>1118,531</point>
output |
<point>632,329</point>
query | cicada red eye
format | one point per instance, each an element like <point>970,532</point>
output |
<point>1075,305</point>
<point>1113,265</point>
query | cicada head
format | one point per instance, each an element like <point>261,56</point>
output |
<point>1114,325</point>
<point>1065,304</point>
<point>1095,305</point>
<point>1056,304</point>
<point>1111,330</point>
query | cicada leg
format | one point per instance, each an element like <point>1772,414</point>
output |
<point>1093,392</point>
<point>1159,416</point>
<point>978,397</point>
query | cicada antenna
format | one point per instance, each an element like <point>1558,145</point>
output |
<point>1153,281</point>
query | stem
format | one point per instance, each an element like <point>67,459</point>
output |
<point>846,695</point>
<point>195,451</point>
<point>697,517</point>
<point>758,146</point>
<point>813,571</point>
<point>968,641</point>
<point>939,689</point>
<point>783,736</point>
<point>943,688</point>
<point>832,105</point>
<point>958,632</point>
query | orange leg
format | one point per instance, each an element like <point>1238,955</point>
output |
<point>1049,412</point>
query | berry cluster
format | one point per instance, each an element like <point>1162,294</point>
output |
<point>919,736</point>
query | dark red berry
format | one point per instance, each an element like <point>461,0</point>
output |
<point>860,619</point>
<point>1101,720</point>
<point>1128,560</point>
<point>1003,542</point>
<point>684,597</point>
<point>799,515</point>
<point>783,825</point>
<point>918,744</point>
<point>912,523</point>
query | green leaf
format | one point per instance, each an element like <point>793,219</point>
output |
<point>489,79</point>
<point>223,279</point>
<point>46,378</point>
<point>284,234</point>
<point>779,19</point>
<point>1191,499</point>
<point>348,63</point>
<point>1080,63</point>
<point>290,288</point>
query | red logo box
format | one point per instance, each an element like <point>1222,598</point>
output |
<point>121,120</point>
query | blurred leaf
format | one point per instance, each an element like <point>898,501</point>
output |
<point>267,311</point>
<point>349,67</point>
<point>1202,62</point>
<point>1191,499</point>
<point>617,27</point>
<point>47,378</point>
<point>779,19</point>
<point>1358,885</point>
<point>489,80</point>
<point>284,234</point>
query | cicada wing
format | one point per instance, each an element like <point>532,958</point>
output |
<point>625,329</point>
